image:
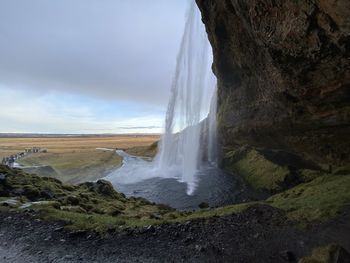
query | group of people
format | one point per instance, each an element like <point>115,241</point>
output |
<point>10,160</point>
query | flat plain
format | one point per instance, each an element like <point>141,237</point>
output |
<point>74,159</point>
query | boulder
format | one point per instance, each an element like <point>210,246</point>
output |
<point>101,187</point>
<point>104,188</point>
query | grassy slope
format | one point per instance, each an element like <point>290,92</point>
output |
<point>144,151</point>
<point>328,254</point>
<point>257,171</point>
<point>75,159</point>
<point>319,200</point>
<point>87,206</point>
<point>75,167</point>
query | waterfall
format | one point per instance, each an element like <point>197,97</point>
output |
<point>191,108</point>
<point>188,146</point>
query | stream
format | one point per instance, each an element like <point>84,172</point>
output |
<point>138,177</point>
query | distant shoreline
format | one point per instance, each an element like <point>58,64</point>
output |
<point>44,135</point>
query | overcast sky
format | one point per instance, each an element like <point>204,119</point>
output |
<point>87,66</point>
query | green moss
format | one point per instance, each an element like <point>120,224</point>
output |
<point>97,201</point>
<point>257,171</point>
<point>329,254</point>
<point>307,175</point>
<point>343,170</point>
<point>318,200</point>
<point>97,206</point>
<point>208,213</point>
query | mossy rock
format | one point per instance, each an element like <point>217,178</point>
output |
<point>318,200</point>
<point>101,187</point>
<point>330,254</point>
<point>89,206</point>
<point>72,200</point>
<point>308,175</point>
<point>258,172</point>
<point>343,170</point>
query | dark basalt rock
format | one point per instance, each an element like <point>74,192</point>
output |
<point>2,177</point>
<point>203,205</point>
<point>101,187</point>
<point>283,73</point>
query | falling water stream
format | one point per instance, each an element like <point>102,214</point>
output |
<point>184,172</point>
<point>191,95</point>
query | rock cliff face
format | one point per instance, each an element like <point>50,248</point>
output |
<point>283,71</point>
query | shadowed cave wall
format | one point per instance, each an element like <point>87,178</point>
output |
<point>283,75</point>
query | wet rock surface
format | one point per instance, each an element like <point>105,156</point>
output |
<point>283,74</point>
<point>260,234</point>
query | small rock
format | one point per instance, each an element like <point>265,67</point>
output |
<point>199,248</point>
<point>78,233</point>
<point>2,177</point>
<point>58,229</point>
<point>72,200</point>
<point>150,228</point>
<point>47,194</point>
<point>288,256</point>
<point>156,216</point>
<point>203,205</point>
<point>188,239</point>
<point>9,203</point>
<point>68,257</point>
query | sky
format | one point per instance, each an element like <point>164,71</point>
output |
<point>87,66</point>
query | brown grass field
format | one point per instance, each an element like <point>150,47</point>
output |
<point>75,159</point>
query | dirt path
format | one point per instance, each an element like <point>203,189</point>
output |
<point>260,234</point>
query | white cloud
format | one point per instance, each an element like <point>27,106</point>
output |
<point>26,112</point>
<point>110,49</point>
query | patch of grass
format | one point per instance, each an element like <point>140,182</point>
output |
<point>256,170</point>
<point>208,213</point>
<point>96,222</point>
<point>144,151</point>
<point>89,205</point>
<point>318,200</point>
<point>330,253</point>
<point>308,175</point>
<point>75,159</point>
<point>97,206</point>
<point>77,143</point>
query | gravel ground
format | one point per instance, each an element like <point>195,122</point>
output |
<point>260,234</point>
